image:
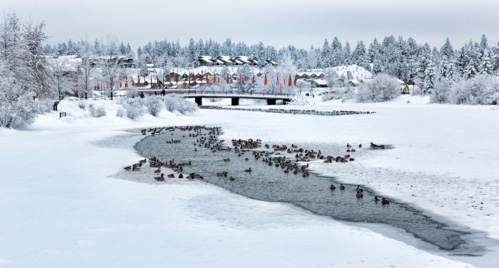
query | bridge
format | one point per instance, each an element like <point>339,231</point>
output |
<point>235,96</point>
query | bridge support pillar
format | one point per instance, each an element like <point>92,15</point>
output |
<point>271,101</point>
<point>198,100</point>
<point>235,101</point>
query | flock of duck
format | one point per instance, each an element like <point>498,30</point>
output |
<point>289,111</point>
<point>206,137</point>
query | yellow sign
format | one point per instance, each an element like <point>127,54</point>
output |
<point>406,90</point>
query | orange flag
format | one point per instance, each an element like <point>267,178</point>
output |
<point>207,79</point>
<point>133,82</point>
<point>231,79</point>
<point>277,83</point>
<point>265,81</point>
<point>138,81</point>
<point>290,83</point>
<point>157,80</point>
<point>189,78</point>
<point>253,82</point>
<point>95,87</point>
<point>98,86</point>
<point>227,78</point>
<point>112,81</point>
<point>177,78</point>
<point>296,77</point>
<point>194,76</point>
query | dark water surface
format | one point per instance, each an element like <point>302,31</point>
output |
<point>270,183</point>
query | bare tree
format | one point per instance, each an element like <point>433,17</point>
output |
<point>86,70</point>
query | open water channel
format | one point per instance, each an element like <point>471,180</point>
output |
<point>270,183</point>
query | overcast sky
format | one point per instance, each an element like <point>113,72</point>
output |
<point>279,23</point>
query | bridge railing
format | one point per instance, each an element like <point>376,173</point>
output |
<point>212,92</point>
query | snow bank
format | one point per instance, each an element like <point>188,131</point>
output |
<point>63,204</point>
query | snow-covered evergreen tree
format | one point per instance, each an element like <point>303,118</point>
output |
<point>325,59</point>
<point>486,66</point>
<point>429,79</point>
<point>192,54</point>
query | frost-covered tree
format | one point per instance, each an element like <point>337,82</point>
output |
<point>86,71</point>
<point>429,79</point>
<point>382,88</point>
<point>331,77</point>
<point>486,66</point>
<point>325,59</point>
<point>360,57</point>
<point>441,91</point>
<point>261,54</point>
<point>482,89</point>
<point>192,54</point>
<point>24,73</point>
<point>153,105</point>
<point>16,105</point>
<point>422,71</point>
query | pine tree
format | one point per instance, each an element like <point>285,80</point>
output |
<point>429,80</point>
<point>486,66</point>
<point>261,54</point>
<point>325,55</point>
<point>192,54</point>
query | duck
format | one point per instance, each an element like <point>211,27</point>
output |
<point>180,176</point>
<point>332,187</point>
<point>359,189</point>
<point>376,199</point>
<point>222,174</point>
<point>161,178</point>
<point>171,176</point>
<point>157,171</point>
<point>360,146</point>
<point>342,187</point>
<point>248,170</point>
<point>231,178</point>
<point>359,194</point>
<point>385,201</point>
<point>128,168</point>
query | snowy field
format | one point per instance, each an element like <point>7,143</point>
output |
<point>64,204</point>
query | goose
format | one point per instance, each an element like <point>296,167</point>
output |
<point>360,146</point>
<point>342,187</point>
<point>222,174</point>
<point>247,170</point>
<point>171,175</point>
<point>385,201</point>
<point>359,194</point>
<point>128,168</point>
<point>135,167</point>
<point>231,178</point>
<point>332,187</point>
<point>161,178</point>
<point>180,176</point>
<point>157,171</point>
<point>376,199</point>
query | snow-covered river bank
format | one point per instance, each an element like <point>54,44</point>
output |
<point>62,205</point>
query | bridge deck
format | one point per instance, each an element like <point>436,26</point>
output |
<point>222,94</point>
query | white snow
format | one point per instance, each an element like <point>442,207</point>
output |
<point>65,202</point>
